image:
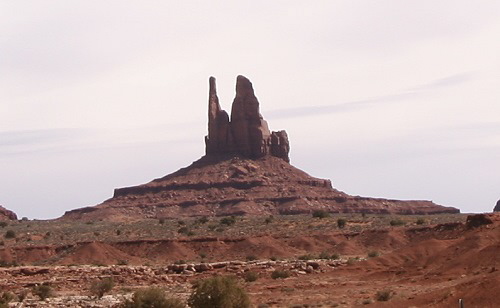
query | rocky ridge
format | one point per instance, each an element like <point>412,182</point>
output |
<point>245,171</point>
<point>6,214</point>
<point>497,207</point>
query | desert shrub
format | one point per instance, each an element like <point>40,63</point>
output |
<point>152,298</point>
<point>180,262</point>
<point>228,220</point>
<point>250,276</point>
<point>203,255</point>
<point>6,298</point>
<point>217,292</point>
<point>397,222</point>
<point>181,222</point>
<point>341,222</point>
<point>280,274</point>
<point>3,224</point>
<point>122,262</point>
<point>335,256</point>
<point>269,219</point>
<point>320,214</point>
<point>202,220</point>
<point>420,221</point>
<point>383,296</point>
<point>373,254</point>
<point>118,232</point>
<point>367,302</point>
<point>43,291</point>
<point>161,221</point>
<point>190,233</point>
<point>273,258</point>
<point>251,258</point>
<point>183,230</point>
<point>10,234</point>
<point>22,295</point>
<point>212,227</point>
<point>305,257</point>
<point>100,287</point>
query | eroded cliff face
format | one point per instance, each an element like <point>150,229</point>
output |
<point>6,214</point>
<point>245,133</point>
<point>497,207</point>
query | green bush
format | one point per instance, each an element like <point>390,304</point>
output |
<point>3,224</point>
<point>100,287</point>
<point>383,296</point>
<point>250,276</point>
<point>269,219</point>
<point>335,256</point>
<point>397,222</point>
<point>43,291</point>
<point>373,254</point>
<point>420,221</point>
<point>218,292</point>
<point>10,234</point>
<point>280,274</point>
<point>202,220</point>
<point>320,214</point>
<point>183,230</point>
<point>228,221</point>
<point>251,258</point>
<point>305,257</point>
<point>341,222</point>
<point>152,298</point>
<point>6,298</point>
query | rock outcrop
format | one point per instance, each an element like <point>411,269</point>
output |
<point>497,207</point>
<point>246,133</point>
<point>6,214</point>
<point>245,171</point>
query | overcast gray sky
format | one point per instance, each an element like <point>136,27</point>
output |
<point>396,99</point>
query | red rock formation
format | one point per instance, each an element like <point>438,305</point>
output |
<point>6,214</point>
<point>245,171</point>
<point>247,133</point>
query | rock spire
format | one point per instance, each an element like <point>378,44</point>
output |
<point>245,133</point>
<point>497,207</point>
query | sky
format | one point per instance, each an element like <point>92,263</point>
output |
<point>389,98</point>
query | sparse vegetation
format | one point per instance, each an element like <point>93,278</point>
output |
<point>222,291</point>
<point>320,214</point>
<point>373,254</point>
<point>269,219</point>
<point>305,257</point>
<point>251,258</point>
<point>152,298</point>
<point>10,234</point>
<point>43,291</point>
<point>202,220</point>
<point>250,276</point>
<point>280,274</point>
<point>420,221</point>
<point>100,287</point>
<point>229,221</point>
<point>3,224</point>
<point>341,222</point>
<point>383,296</point>
<point>397,222</point>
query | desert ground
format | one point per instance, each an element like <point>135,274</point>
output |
<point>331,260</point>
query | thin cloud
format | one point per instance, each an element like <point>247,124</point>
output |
<point>408,94</point>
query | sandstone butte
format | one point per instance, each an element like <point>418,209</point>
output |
<point>497,207</point>
<point>245,171</point>
<point>6,214</point>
